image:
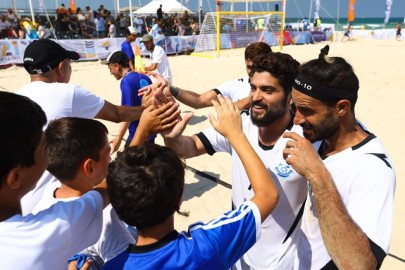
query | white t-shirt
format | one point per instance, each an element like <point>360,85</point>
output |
<point>48,239</point>
<point>365,179</point>
<point>58,100</point>
<point>114,237</point>
<point>112,30</point>
<point>236,89</point>
<point>269,252</point>
<point>163,69</point>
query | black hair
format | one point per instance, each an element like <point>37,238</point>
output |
<point>21,123</point>
<point>71,140</point>
<point>280,65</point>
<point>332,72</point>
<point>145,184</point>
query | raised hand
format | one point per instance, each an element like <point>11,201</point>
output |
<point>178,129</point>
<point>115,144</point>
<point>159,83</point>
<point>155,120</point>
<point>228,121</point>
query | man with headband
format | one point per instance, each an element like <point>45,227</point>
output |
<point>347,220</point>
<point>264,124</point>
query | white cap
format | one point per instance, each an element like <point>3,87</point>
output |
<point>132,30</point>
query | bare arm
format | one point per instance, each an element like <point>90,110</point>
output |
<point>185,146</point>
<point>195,100</point>
<point>229,124</point>
<point>152,67</point>
<point>114,113</point>
<point>344,240</point>
<point>116,142</point>
<point>243,104</point>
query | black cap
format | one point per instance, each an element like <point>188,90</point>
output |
<point>43,55</point>
<point>118,57</point>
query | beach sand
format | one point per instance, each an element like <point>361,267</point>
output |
<point>377,63</point>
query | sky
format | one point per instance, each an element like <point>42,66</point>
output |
<point>295,8</point>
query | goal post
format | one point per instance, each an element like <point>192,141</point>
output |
<point>228,30</point>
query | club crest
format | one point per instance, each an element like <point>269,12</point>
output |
<point>284,170</point>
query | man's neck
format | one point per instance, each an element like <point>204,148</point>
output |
<point>125,70</point>
<point>45,79</point>
<point>154,234</point>
<point>346,136</point>
<point>270,134</point>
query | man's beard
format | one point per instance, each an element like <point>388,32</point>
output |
<point>271,115</point>
<point>322,131</point>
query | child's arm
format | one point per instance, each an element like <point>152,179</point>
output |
<point>228,123</point>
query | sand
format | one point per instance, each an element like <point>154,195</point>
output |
<point>376,62</point>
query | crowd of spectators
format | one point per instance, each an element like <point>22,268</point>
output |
<point>89,23</point>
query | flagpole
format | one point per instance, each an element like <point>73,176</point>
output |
<point>131,16</point>
<point>32,12</point>
<point>199,13</point>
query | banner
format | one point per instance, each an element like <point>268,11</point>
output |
<point>12,50</point>
<point>350,16</point>
<point>387,11</point>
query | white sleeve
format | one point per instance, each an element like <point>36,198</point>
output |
<point>84,219</point>
<point>85,104</point>
<point>235,89</point>
<point>214,142</point>
<point>227,87</point>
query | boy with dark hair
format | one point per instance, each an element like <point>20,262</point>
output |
<point>23,159</point>
<point>146,185</point>
<point>79,154</point>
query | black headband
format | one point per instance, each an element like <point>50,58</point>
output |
<point>323,92</point>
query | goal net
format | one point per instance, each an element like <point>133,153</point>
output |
<point>229,30</point>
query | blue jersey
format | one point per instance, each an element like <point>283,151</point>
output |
<point>130,85</point>
<point>127,49</point>
<point>216,245</point>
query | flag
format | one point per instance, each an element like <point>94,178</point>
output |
<point>317,7</point>
<point>387,10</point>
<point>350,16</point>
<point>73,5</point>
<point>139,67</point>
<point>41,5</point>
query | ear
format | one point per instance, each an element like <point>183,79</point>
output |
<point>88,167</point>
<point>289,98</point>
<point>13,178</point>
<point>342,107</point>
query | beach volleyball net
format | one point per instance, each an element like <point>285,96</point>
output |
<point>230,30</point>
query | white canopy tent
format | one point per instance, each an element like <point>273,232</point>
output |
<point>168,6</point>
<point>250,1</point>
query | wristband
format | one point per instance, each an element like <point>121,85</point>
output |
<point>174,90</point>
